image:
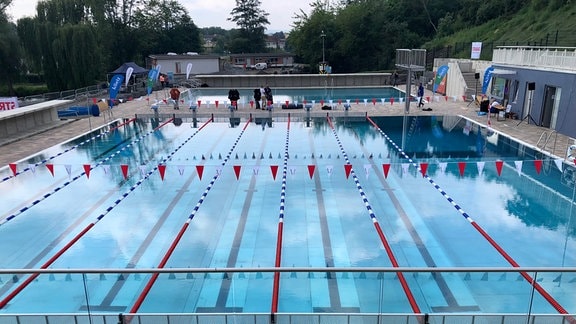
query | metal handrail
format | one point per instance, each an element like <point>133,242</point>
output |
<point>288,269</point>
<point>555,133</point>
<point>543,136</point>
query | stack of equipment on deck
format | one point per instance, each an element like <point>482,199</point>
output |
<point>82,111</point>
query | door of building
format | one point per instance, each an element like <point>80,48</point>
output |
<point>550,106</point>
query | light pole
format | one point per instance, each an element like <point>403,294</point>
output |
<point>323,35</point>
<point>323,64</point>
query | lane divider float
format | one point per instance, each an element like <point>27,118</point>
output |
<point>13,166</point>
<point>178,237</point>
<point>498,248</point>
<point>32,277</point>
<point>86,171</point>
<point>387,246</point>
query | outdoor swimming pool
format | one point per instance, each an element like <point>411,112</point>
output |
<point>211,96</point>
<point>292,193</point>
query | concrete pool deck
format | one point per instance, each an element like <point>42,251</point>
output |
<point>23,145</point>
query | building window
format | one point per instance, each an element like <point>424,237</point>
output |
<point>178,68</point>
<point>498,88</point>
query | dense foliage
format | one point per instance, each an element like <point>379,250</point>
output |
<point>10,53</point>
<point>74,43</point>
<point>362,35</point>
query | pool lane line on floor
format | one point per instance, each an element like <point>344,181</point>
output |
<point>109,298</point>
<point>41,255</point>
<point>69,149</point>
<point>78,236</point>
<point>492,242</point>
<point>226,285</point>
<point>65,184</point>
<point>383,239</point>
<point>449,298</point>
<point>278,258</point>
<point>332,281</point>
<point>178,237</point>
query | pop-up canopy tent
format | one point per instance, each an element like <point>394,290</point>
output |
<point>138,74</point>
<point>124,67</point>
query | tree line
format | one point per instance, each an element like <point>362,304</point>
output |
<point>74,43</point>
<point>363,35</point>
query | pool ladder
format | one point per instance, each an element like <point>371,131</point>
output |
<point>542,144</point>
<point>545,139</point>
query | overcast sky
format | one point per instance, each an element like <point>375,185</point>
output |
<point>207,13</point>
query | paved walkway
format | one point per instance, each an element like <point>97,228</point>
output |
<point>18,148</point>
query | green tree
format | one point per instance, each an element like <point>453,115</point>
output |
<point>305,39</point>
<point>3,5</point>
<point>165,26</point>
<point>28,30</point>
<point>63,43</point>
<point>218,37</point>
<point>117,35</point>
<point>252,22</point>
<point>360,35</point>
<point>10,53</point>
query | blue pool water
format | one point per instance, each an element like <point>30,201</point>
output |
<point>330,219</point>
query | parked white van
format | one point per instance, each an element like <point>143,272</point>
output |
<point>261,66</point>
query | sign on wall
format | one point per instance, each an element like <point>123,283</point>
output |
<point>8,103</point>
<point>476,50</point>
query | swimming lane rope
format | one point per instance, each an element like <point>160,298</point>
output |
<point>66,151</point>
<point>498,248</point>
<point>45,196</point>
<point>32,277</point>
<point>389,251</point>
<point>176,240</point>
<point>278,260</point>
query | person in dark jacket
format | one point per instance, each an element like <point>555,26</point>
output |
<point>420,95</point>
<point>269,98</point>
<point>257,97</point>
<point>234,96</point>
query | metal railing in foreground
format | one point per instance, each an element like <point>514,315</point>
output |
<point>284,318</point>
<point>537,273</point>
<point>77,94</point>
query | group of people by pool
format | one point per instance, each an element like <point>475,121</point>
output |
<point>262,97</point>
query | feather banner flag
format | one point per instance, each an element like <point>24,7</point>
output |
<point>440,80</point>
<point>128,75</point>
<point>487,77</point>
<point>158,68</point>
<point>152,77</point>
<point>188,70</point>
<point>115,85</point>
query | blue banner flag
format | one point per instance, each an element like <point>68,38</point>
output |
<point>439,80</point>
<point>152,77</point>
<point>115,85</point>
<point>487,77</point>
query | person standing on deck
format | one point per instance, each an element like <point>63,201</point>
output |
<point>257,97</point>
<point>263,96</point>
<point>420,95</point>
<point>175,96</point>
